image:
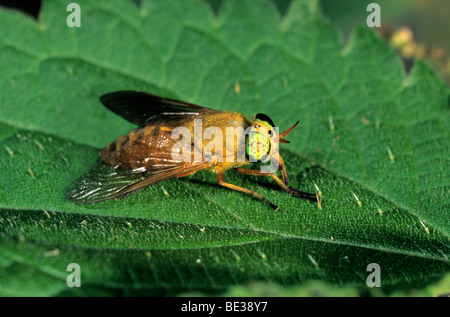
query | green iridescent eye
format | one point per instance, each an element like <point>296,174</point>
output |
<point>258,147</point>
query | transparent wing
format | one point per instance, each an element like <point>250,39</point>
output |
<point>102,182</point>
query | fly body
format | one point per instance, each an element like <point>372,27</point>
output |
<point>175,139</point>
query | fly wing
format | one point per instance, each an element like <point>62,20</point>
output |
<point>142,109</point>
<point>102,182</point>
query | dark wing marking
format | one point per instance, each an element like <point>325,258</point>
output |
<point>141,108</point>
<point>102,182</point>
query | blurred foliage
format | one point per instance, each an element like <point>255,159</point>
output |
<point>323,289</point>
<point>426,20</point>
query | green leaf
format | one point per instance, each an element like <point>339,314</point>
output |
<point>374,140</point>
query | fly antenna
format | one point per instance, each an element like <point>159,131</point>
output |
<point>282,135</point>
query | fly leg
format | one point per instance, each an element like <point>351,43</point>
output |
<point>221,181</point>
<point>290,190</point>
